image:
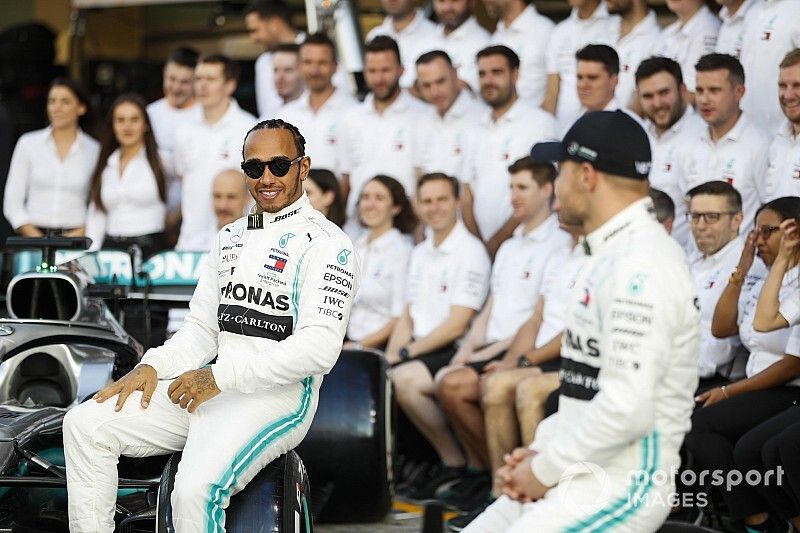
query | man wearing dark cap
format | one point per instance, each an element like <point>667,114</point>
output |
<point>607,459</point>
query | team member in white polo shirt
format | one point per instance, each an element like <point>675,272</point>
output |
<point>517,282</point>
<point>637,36</point>
<point>412,31</point>
<point>286,73</point>
<point>589,22</point>
<point>177,106</point>
<point>772,34</point>
<point>521,28</point>
<point>383,252</point>
<point>204,148</point>
<point>731,148</point>
<point>784,152</point>
<point>318,113</point>
<point>462,37</point>
<point>693,35</point>
<point>387,134</point>
<point>715,211</point>
<point>663,98</point>
<point>447,284</point>
<point>597,76</point>
<point>269,23</point>
<point>507,131</point>
<point>736,15</point>
<point>455,123</point>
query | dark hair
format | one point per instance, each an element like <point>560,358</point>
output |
<point>722,62</point>
<point>183,56</point>
<point>383,43</point>
<point>406,220</point>
<point>434,176</point>
<point>663,205</point>
<point>320,39</point>
<point>544,172</point>
<point>500,50</point>
<point>719,188</point>
<point>429,57</point>
<point>600,53</point>
<point>326,181</point>
<point>655,64</point>
<point>87,122</point>
<point>786,207</point>
<point>289,48</point>
<point>109,143</point>
<point>791,59</point>
<point>278,124</point>
<point>230,67</point>
<point>267,9</point>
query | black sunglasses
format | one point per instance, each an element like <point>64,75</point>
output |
<point>278,166</point>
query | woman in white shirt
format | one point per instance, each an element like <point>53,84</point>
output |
<point>128,190</point>
<point>325,194</point>
<point>384,251</point>
<point>48,180</point>
<point>773,372</point>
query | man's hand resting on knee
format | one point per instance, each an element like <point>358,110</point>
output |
<point>192,388</point>
<point>143,378</point>
<point>517,478</point>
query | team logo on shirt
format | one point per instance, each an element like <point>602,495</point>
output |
<point>766,35</point>
<point>284,240</point>
<point>636,284</point>
<point>276,263</point>
<point>796,172</point>
<point>343,257</point>
<point>586,298</point>
<point>729,173</point>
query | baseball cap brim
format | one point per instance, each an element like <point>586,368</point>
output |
<point>548,151</point>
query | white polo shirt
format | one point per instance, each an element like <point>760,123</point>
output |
<point>739,158</point>
<point>783,175</point>
<point>632,49</point>
<point>268,102</point>
<point>202,151</point>
<point>568,37</point>
<point>769,348</point>
<point>391,143</point>
<point>529,36</point>
<point>462,45</point>
<point>665,173</point>
<point>165,121</point>
<point>322,129</point>
<point>731,32</point>
<point>562,270</point>
<point>419,37</point>
<point>710,274</point>
<point>501,143</point>
<point>44,190</point>
<point>456,273</point>
<point>132,203</point>
<point>454,137</point>
<point>686,43</point>
<point>518,276</point>
<point>381,296</point>
<point>772,34</point>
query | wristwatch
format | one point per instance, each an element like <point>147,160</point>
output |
<point>523,361</point>
<point>404,355</point>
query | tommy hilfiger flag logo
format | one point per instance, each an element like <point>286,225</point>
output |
<point>276,263</point>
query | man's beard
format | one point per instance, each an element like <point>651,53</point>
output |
<point>391,93</point>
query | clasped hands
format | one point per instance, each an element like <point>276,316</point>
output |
<point>190,389</point>
<point>517,480</point>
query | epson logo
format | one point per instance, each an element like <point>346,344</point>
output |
<point>285,216</point>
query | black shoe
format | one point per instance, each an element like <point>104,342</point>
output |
<point>469,493</point>
<point>461,522</point>
<point>439,478</point>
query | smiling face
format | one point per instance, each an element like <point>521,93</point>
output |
<point>662,99</point>
<point>789,93</point>
<point>375,205</point>
<point>129,124</point>
<point>497,80</point>
<point>438,205</point>
<point>178,81</point>
<point>273,193</point>
<point>63,107</point>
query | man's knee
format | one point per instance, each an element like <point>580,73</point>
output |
<point>459,385</point>
<point>533,391</point>
<point>499,390</point>
<point>83,422</point>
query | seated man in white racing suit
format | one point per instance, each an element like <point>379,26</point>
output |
<point>606,460</point>
<point>272,307</point>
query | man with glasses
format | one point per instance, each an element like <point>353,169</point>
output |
<point>715,216</point>
<point>270,310</point>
